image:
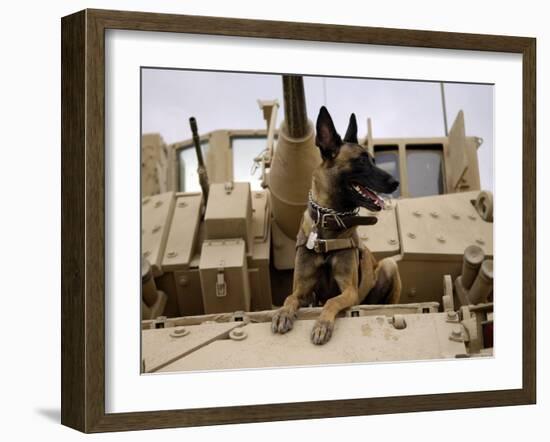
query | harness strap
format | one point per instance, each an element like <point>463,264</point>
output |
<point>330,245</point>
<point>324,218</point>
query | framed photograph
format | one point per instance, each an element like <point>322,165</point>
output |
<point>266,220</point>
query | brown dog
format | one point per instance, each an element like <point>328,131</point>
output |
<point>331,263</point>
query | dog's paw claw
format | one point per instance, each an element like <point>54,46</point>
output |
<point>282,322</point>
<point>322,332</point>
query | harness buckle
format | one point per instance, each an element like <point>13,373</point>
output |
<point>320,246</point>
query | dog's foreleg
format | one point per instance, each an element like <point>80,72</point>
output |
<point>305,277</point>
<point>344,269</point>
<point>322,330</point>
<point>283,319</point>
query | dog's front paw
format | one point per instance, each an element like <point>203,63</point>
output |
<point>321,332</point>
<point>282,321</point>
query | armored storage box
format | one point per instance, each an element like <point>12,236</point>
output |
<point>181,277</point>
<point>382,238</point>
<point>229,212</point>
<point>258,260</point>
<point>156,214</point>
<point>434,232</point>
<point>224,276</point>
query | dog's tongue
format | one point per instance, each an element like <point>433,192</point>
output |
<point>373,196</point>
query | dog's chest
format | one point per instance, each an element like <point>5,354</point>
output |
<point>326,286</point>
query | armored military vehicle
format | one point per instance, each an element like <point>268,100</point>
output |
<point>218,252</point>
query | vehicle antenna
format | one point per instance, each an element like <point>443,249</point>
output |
<point>201,168</point>
<point>444,106</point>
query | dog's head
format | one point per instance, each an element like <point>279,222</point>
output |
<point>348,170</point>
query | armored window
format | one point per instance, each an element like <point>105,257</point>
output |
<point>387,158</point>
<point>245,149</point>
<point>425,169</point>
<point>187,163</point>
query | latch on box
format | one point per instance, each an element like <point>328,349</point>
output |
<point>221,285</point>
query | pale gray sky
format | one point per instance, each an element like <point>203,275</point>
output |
<point>221,100</point>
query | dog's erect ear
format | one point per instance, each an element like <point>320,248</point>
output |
<point>351,133</point>
<point>327,138</point>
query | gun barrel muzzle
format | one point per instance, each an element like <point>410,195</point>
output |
<point>473,257</point>
<point>483,284</point>
<point>193,124</point>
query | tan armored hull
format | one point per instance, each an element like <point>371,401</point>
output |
<point>219,266</point>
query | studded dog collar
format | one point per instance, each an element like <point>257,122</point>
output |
<point>330,219</point>
<point>325,218</point>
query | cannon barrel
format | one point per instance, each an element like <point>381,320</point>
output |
<point>294,159</point>
<point>295,106</point>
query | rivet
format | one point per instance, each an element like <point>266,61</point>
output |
<point>480,241</point>
<point>259,195</point>
<point>237,334</point>
<point>171,254</point>
<point>156,228</point>
<point>179,332</point>
<point>229,186</point>
<point>392,242</point>
<point>182,204</point>
<point>417,213</point>
<point>451,314</point>
<point>399,322</point>
<point>146,253</point>
<point>158,204</point>
<point>434,214</point>
<point>472,217</point>
<point>364,237</point>
<point>183,281</point>
<point>441,239</point>
<point>455,216</point>
<point>457,332</point>
<point>145,201</point>
<point>411,235</point>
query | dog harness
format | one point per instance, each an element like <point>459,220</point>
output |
<point>325,218</point>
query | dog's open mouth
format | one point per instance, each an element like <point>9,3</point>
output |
<point>370,199</point>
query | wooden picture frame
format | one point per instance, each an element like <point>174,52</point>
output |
<point>83,219</point>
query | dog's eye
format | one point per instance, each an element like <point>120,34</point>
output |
<point>369,159</point>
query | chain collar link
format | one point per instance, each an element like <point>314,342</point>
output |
<point>322,209</point>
